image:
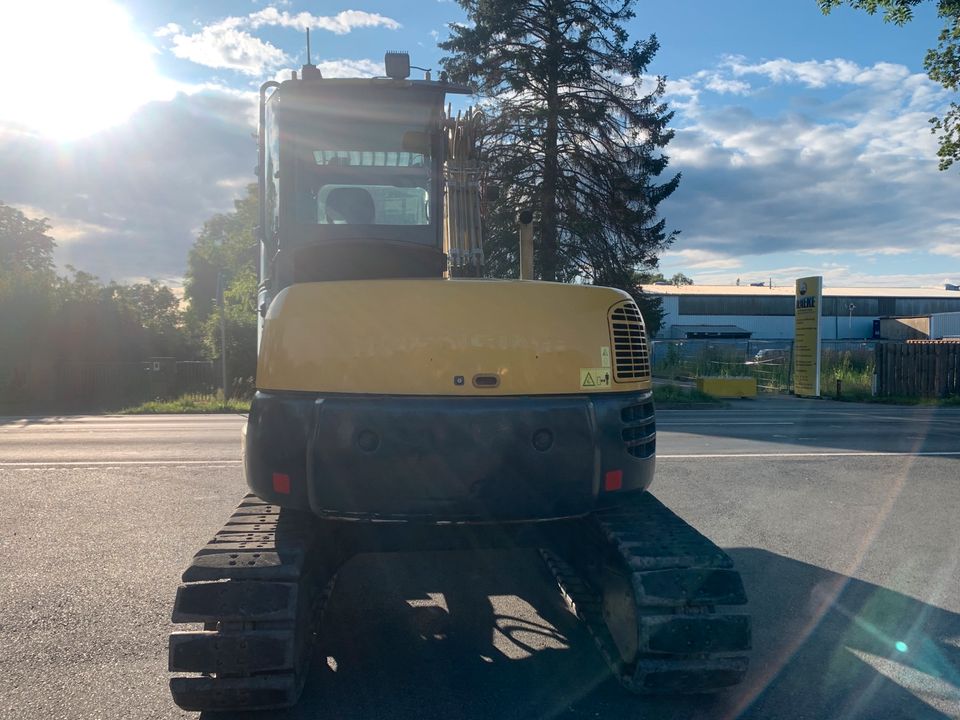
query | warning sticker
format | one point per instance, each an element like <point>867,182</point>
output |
<point>605,356</point>
<point>594,378</point>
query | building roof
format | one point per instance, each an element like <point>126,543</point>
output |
<point>828,291</point>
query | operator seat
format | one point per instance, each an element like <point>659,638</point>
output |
<point>350,205</point>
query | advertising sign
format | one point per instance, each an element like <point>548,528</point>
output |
<point>806,337</point>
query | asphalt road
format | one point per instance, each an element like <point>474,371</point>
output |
<point>841,517</point>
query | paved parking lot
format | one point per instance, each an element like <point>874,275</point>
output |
<point>841,517</point>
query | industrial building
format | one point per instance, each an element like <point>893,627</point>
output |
<point>765,313</point>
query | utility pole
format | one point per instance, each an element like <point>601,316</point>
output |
<point>223,336</point>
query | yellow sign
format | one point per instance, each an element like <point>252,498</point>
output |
<point>806,336</point>
<point>595,378</point>
<point>605,356</point>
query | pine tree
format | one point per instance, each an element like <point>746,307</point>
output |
<point>568,134</point>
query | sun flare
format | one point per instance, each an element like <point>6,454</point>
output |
<point>72,68</point>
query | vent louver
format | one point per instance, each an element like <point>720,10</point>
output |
<point>631,361</point>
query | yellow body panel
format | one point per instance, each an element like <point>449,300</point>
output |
<point>728,387</point>
<point>421,337</point>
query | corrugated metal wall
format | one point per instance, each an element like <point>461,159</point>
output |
<point>945,325</point>
<point>771,318</point>
<point>779,327</point>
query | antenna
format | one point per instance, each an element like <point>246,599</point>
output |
<point>310,71</point>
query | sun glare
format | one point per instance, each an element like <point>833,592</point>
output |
<point>71,68</point>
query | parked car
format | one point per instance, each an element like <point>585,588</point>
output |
<point>772,356</point>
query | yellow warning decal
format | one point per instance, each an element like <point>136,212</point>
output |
<point>595,378</point>
<point>605,356</point>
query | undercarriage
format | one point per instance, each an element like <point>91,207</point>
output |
<point>650,588</point>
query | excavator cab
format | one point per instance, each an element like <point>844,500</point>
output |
<point>351,180</point>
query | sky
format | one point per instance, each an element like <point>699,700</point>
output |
<point>802,140</point>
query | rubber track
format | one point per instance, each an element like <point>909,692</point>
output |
<point>259,588</point>
<point>679,577</point>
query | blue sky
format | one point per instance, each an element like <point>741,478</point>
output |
<point>802,139</point>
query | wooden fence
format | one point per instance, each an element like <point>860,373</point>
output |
<point>918,369</point>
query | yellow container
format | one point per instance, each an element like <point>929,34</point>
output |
<point>728,387</point>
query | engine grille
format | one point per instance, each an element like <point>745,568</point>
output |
<point>640,431</point>
<point>631,361</point>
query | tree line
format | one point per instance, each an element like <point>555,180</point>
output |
<point>52,321</point>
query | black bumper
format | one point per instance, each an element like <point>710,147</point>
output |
<point>437,459</point>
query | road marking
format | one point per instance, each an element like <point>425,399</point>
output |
<point>725,423</point>
<point>808,417</point>
<point>97,463</point>
<point>715,456</point>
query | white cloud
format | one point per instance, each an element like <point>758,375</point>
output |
<point>168,30</point>
<point>340,24</point>
<point>339,68</point>
<point>228,44</point>
<point>950,249</point>
<point>64,230</point>
<point>694,259</point>
<point>225,45</point>
<point>845,165</point>
<point>818,73</point>
<point>720,85</point>
<point>351,68</point>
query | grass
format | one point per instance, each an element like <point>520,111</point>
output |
<point>681,395</point>
<point>854,370</point>
<point>189,404</point>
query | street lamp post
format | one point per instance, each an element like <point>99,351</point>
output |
<point>223,337</point>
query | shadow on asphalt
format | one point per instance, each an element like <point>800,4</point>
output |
<point>822,424</point>
<point>825,646</point>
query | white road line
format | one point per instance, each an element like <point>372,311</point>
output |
<point>680,423</point>
<point>716,456</point>
<point>86,432</point>
<point>951,421</point>
<point>101,428</point>
<point>98,463</point>
<point>172,417</point>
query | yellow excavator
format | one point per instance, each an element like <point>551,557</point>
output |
<point>404,403</point>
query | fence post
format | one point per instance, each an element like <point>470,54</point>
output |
<point>897,387</point>
<point>888,364</point>
<point>877,368</point>
<point>223,334</point>
<point>953,367</point>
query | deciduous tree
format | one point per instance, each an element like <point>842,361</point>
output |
<point>25,245</point>
<point>226,248</point>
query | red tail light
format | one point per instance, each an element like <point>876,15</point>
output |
<point>281,483</point>
<point>613,480</point>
